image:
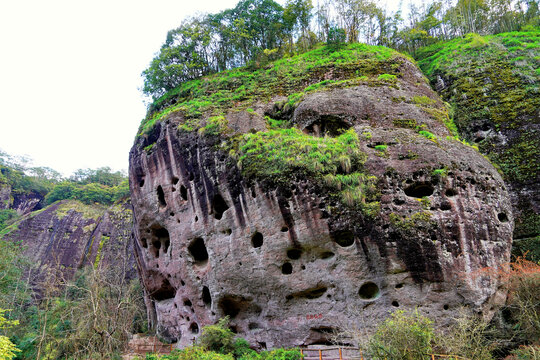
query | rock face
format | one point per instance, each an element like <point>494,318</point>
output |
<point>290,263</point>
<point>67,235</point>
<point>493,86</point>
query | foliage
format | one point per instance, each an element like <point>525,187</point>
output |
<point>468,336</point>
<point>531,352</point>
<point>8,350</point>
<point>218,338</point>
<point>88,193</point>
<point>7,216</point>
<point>239,88</point>
<point>404,335</point>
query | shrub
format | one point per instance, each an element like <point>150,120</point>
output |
<point>404,335</point>
<point>466,337</point>
<point>218,338</point>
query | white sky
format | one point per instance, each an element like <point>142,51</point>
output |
<point>70,74</point>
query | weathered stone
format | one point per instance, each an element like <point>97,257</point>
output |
<point>289,264</point>
<point>67,235</point>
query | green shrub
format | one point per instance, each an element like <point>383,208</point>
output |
<point>6,217</point>
<point>218,338</point>
<point>403,336</point>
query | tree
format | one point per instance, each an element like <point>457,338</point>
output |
<point>8,350</point>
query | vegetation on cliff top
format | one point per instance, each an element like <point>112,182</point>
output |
<point>326,66</point>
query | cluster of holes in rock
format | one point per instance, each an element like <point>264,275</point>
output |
<point>343,238</point>
<point>160,239</point>
<point>197,249</point>
<point>369,291</point>
<point>219,206</point>
<point>257,239</point>
<point>161,196</point>
<point>232,305</point>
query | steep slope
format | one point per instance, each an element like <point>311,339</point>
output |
<point>67,235</point>
<point>493,84</point>
<point>286,196</point>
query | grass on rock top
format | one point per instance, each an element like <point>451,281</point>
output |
<point>335,163</point>
<point>348,65</point>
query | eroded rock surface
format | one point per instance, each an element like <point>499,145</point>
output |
<point>288,264</point>
<point>67,235</point>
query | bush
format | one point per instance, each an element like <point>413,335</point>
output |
<point>466,337</point>
<point>526,353</point>
<point>218,338</point>
<point>404,335</point>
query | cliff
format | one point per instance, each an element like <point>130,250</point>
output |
<point>313,191</point>
<point>67,235</point>
<point>492,83</point>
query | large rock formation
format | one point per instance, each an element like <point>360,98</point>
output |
<point>68,235</point>
<point>289,256</point>
<point>492,84</point>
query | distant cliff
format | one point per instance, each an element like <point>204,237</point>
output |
<point>68,235</point>
<point>284,196</point>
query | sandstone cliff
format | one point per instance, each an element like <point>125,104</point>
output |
<point>492,84</point>
<point>67,235</point>
<point>334,195</point>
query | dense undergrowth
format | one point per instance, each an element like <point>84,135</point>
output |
<point>493,85</point>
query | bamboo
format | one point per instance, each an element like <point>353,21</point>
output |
<point>320,354</point>
<point>340,357</point>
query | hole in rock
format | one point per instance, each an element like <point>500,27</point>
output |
<point>419,190</point>
<point>324,330</point>
<point>257,239</point>
<point>183,192</point>
<point>286,268</point>
<point>144,243</point>
<point>395,303</point>
<point>446,307</point>
<point>196,218</point>
<point>182,283</point>
<point>369,291</point>
<point>253,326</point>
<point>343,238</point>
<point>445,206</point>
<point>171,214</point>
<point>175,180</point>
<point>262,344</point>
<point>141,183</point>
<point>191,177</point>
<point>284,229</point>
<point>233,329</point>
<point>163,238</point>
<point>164,292</point>
<point>312,293</point>
<point>194,328</point>
<point>327,255</point>
<point>294,254</point>
<point>156,245</point>
<point>206,298</point>
<point>197,249</point>
<point>175,306</point>
<point>219,206</point>
<point>303,267</point>
<point>231,306</point>
<point>187,303</point>
<point>502,217</point>
<point>161,196</point>
<point>331,125</point>
<point>289,297</point>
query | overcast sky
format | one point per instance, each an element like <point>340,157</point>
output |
<point>70,75</point>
